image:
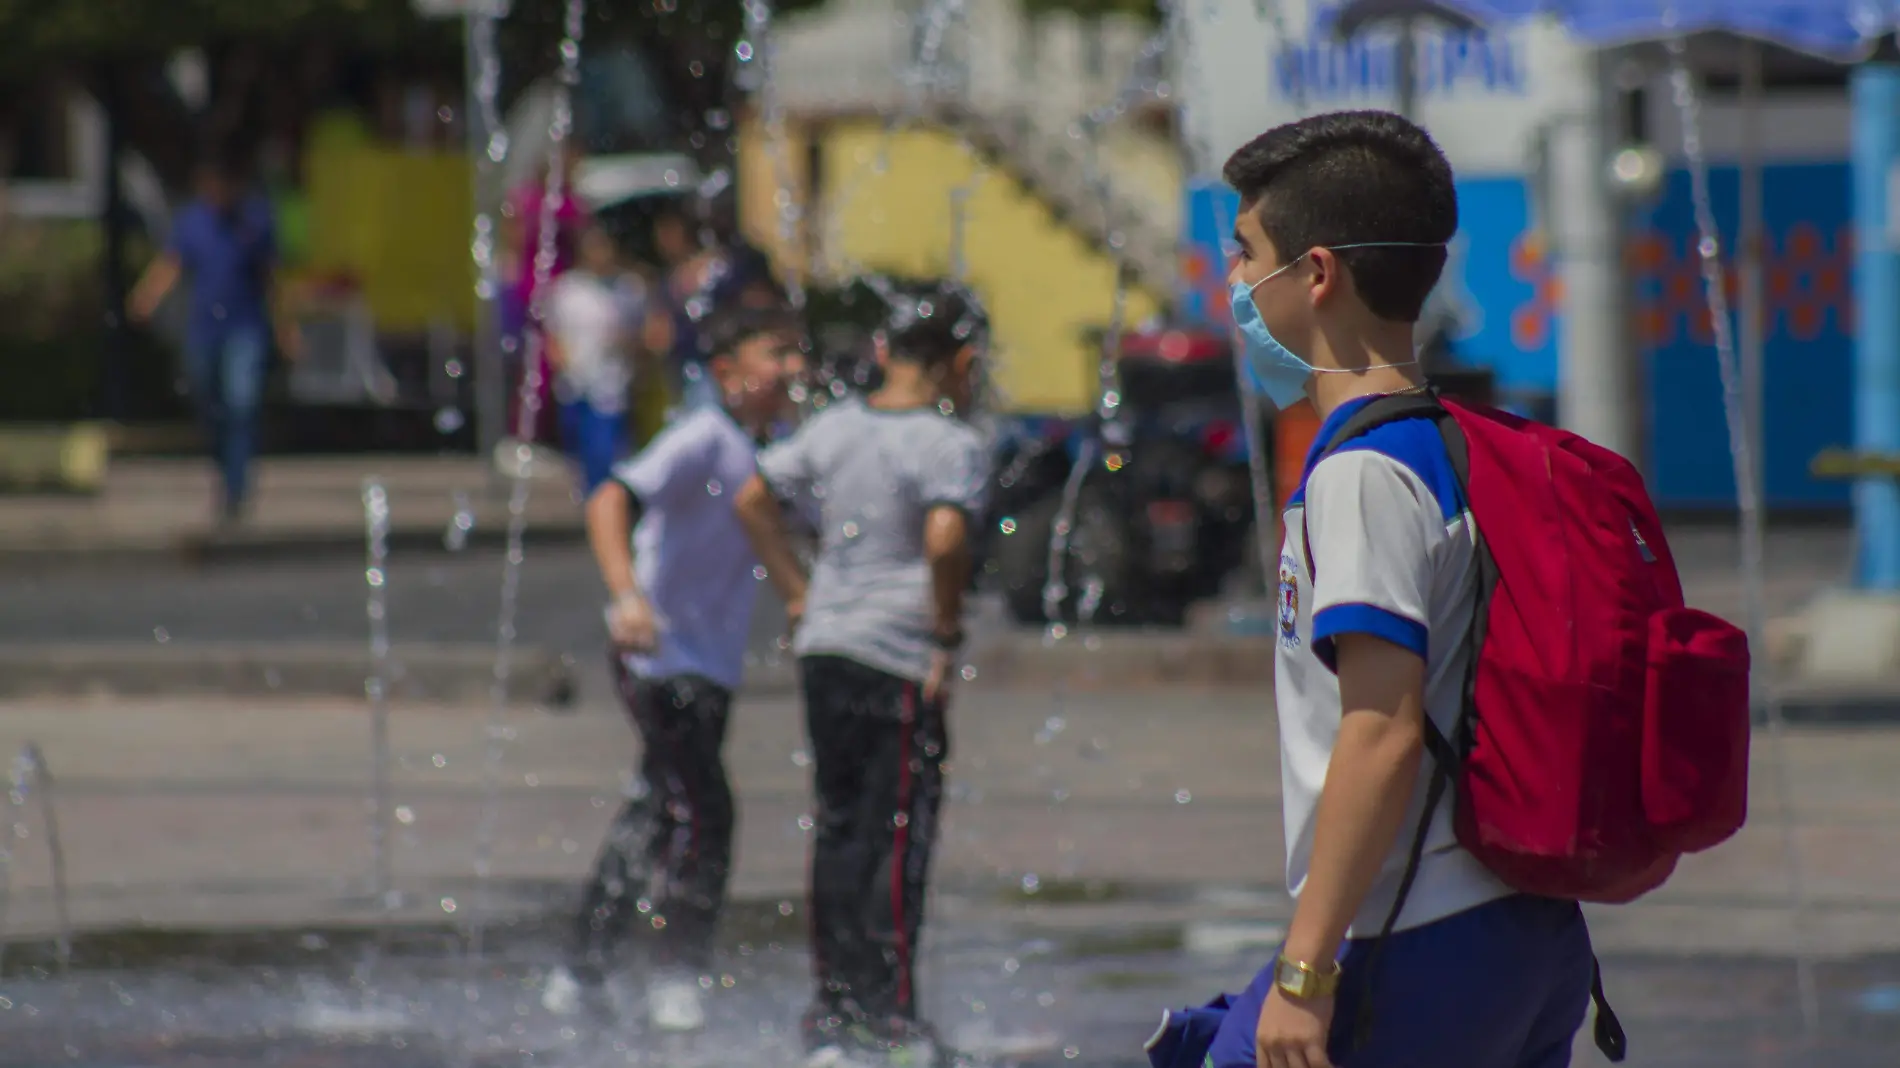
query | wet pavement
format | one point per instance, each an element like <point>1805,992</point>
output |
<point>1008,986</point>
<point>1101,861</point>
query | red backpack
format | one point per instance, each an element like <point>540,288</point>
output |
<point>1606,725</point>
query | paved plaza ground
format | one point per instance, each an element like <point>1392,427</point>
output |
<point>1147,823</point>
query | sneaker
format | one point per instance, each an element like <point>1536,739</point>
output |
<point>912,1044</point>
<point>674,1005</point>
<point>562,993</point>
<point>839,1057</point>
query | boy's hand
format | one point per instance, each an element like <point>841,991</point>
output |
<point>1292,1033</point>
<point>632,624</point>
<point>942,672</point>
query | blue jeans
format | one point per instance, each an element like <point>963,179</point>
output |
<point>595,439</point>
<point>1503,985</point>
<point>226,371</point>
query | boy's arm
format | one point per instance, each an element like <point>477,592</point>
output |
<point>611,514</point>
<point>947,548</point>
<point>1369,785</point>
<point>1374,529</point>
<point>763,519</point>
<point>955,481</point>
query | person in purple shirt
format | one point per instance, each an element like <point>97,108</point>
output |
<point>224,239</point>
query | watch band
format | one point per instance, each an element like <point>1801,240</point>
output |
<point>1304,982</point>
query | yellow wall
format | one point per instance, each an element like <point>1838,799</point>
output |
<point>398,222</point>
<point>1044,284</point>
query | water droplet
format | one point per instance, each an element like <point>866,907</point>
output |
<point>714,487</point>
<point>374,576</point>
<point>805,823</point>
<point>1071,1052</point>
<point>801,758</point>
<point>850,530</point>
<point>900,820</point>
<point>968,673</point>
<point>1011,965</point>
<point>784,908</point>
<point>439,760</point>
<point>1007,526</point>
<point>1031,884</point>
<point>448,904</point>
<point>1045,999</point>
<point>1182,797</point>
<point>405,814</point>
<point>161,635</point>
<point>759,573</point>
<point>449,420</point>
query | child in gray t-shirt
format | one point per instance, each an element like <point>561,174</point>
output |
<point>893,480</point>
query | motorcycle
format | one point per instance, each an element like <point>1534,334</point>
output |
<point>1154,505</point>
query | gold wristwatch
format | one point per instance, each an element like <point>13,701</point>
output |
<point>1304,982</point>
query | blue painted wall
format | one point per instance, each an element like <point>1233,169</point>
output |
<point>1809,350</point>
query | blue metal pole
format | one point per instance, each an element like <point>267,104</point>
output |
<point>1875,92</point>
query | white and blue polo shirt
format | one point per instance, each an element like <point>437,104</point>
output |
<point>1393,553</point>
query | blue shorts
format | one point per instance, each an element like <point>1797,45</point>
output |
<point>1503,985</point>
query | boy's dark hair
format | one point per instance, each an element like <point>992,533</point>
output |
<point>728,327</point>
<point>1352,176</point>
<point>930,325</point>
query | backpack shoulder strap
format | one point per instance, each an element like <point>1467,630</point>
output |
<point>1393,408</point>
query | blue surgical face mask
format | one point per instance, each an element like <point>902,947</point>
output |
<point>1270,368</point>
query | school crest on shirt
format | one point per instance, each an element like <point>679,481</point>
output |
<point>1289,603</point>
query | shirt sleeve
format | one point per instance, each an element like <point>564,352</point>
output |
<point>955,474</point>
<point>787,466</point>
<point>676,463</point>
<point>1373,529</point>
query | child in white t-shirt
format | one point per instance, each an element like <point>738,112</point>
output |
<point>590,341</point>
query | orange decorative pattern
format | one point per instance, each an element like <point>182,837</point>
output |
<point>1805,282</point>
<point>1531,321</point>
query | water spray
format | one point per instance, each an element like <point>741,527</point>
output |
<point>31,782</point>
<point>376,687</point>
<point>1748,498</point>
<point>522,470</point>
<point>488,152</point>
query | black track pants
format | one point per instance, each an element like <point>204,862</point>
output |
<point>879,750</point>
<point>664,866</point>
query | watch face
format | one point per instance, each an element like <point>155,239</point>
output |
<point>1290,976</point>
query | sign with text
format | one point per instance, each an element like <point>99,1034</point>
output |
<point>1482,93</point>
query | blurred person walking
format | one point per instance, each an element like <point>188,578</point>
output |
<point>878,625</point>
<point>678,566</point>
<point>225,241</point>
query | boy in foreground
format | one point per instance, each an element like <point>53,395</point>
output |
<point>679,569</point>
<point>893,480</point>
<point>1342,232</point>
